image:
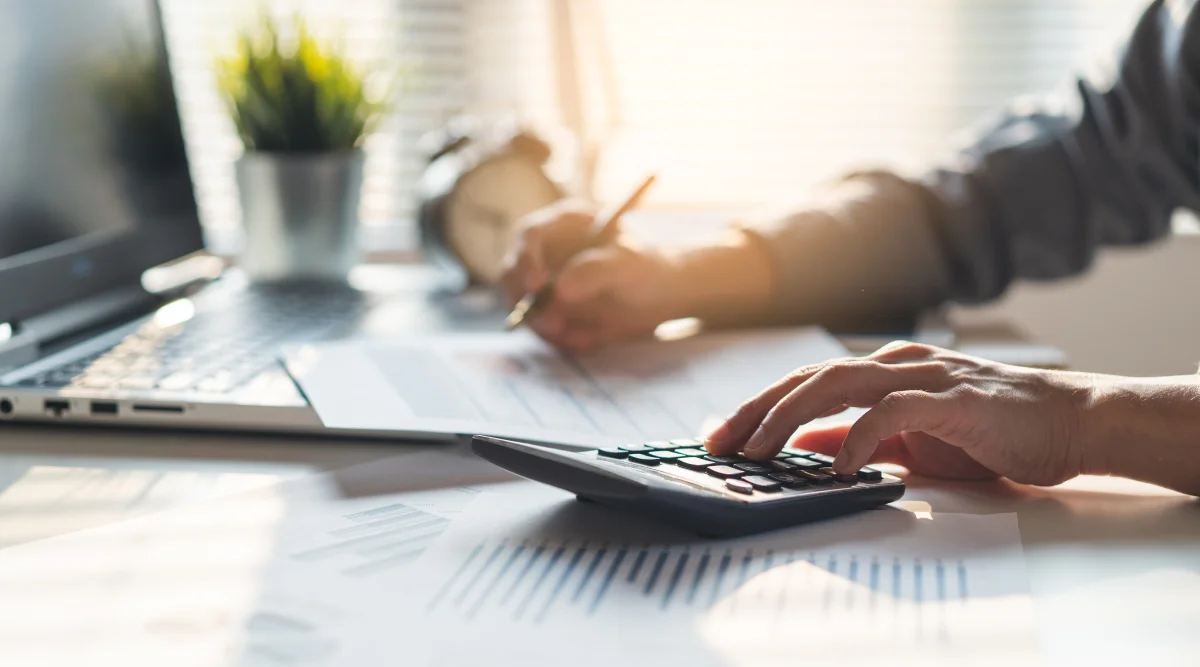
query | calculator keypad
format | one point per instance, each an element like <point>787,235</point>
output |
<point>792,471</point>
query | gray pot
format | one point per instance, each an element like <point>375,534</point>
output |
<point>300,215</point>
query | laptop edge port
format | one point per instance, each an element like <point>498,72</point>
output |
<point>104,408</point>
<point>158,407</point>
<point>56,406</point>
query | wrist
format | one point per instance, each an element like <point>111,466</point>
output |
<point>1145,429</point>
<point>1101,422</point>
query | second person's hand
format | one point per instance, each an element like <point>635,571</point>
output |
<point>601,295</point>
<point>623,290</point>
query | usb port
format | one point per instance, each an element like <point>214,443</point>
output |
<point>104,408</point>
<point>56,407</point>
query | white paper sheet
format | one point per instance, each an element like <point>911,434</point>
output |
<point>531,583</point>
<point>275,576</point>
<point>514,385</point>
<point>46,495</point>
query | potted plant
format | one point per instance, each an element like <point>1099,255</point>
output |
<point>302,112</point>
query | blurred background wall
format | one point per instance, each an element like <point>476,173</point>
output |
<point>1136,313</point>
<point>735,103</point>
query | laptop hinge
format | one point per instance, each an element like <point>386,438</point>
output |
<point>29,337</point>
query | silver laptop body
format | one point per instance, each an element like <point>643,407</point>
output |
<point>95,190</point>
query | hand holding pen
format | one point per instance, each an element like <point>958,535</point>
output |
<point>606,288</point>
<point>603,231</point>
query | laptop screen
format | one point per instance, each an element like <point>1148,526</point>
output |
<point>94,181</point>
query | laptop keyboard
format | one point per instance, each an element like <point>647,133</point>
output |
<point>226,343</point>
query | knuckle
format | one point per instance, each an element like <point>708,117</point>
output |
<point>798,375</point>
<point>969,394</point>
<point>848,369</point>
<point>905,348</point>
<point>897,400</point>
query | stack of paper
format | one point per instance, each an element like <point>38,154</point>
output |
<point>517,386</point>
<point>516,581</point>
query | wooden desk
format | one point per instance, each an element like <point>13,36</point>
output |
<point>1114,565</point>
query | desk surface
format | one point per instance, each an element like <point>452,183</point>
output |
<point>1114,565</point>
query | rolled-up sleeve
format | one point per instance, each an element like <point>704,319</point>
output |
<point>1032,197</point>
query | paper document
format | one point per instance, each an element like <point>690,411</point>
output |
<point>518,582</point>
<point>46,495</point>
<point>275,576</point>
<point>515,385</point>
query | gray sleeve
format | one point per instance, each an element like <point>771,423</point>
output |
<point>1033,197</point>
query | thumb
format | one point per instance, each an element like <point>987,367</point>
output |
<point>594,272</point>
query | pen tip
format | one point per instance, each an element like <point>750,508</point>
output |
<point>515,319</point>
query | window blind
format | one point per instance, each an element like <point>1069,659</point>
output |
<point>423,39</point>
<point>731,102</point>
<point>743,101</point>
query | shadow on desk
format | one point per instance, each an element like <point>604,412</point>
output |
<point>1088,529</point>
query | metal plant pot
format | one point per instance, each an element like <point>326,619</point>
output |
<point>300,215</point>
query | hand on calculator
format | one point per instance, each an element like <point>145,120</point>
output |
<point>934,411</point>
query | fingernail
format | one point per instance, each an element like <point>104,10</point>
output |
<point>756,441</point>
<point>717,437</point>
<point>841,461</point>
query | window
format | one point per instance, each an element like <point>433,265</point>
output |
<point>741,101</point>
<point>732,102</point>
<point>425,37</point>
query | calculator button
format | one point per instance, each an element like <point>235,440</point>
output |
<point>762,483</point>
<point>756,468</point>
<point>870,475</point>
<point>693,463</point>
<point>739,486</point>
<point>686,442</point>
<point>692,451</point>
<point>805,464</point>
<point>780,466</point>
<point>613,452</point>
<point>724,471</point>
<point>725,459</point>
<point>658,444</point>
<point>645,459</point>
<point>798,452</point>
<point>788,479</point>
<point>845,479</point>
<point>813,476</point>
<point>667,455</point>
<point>636,448</point>
<point>827,460</point>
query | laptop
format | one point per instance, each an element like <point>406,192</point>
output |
<point>95,190</point>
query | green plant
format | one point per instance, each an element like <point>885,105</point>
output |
<point>295,95</point>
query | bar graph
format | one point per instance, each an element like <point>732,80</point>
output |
<point>531,582</point>
<point>375,540</point>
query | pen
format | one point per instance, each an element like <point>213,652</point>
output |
<point>604,230</point>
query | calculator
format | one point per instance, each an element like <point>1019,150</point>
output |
<point>678,482</point>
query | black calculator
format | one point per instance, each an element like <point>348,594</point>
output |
<point>680,483</point>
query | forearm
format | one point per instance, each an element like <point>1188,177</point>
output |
<point>862,257</point>
<point>1032,197</point>
<point>730,282</point>
<point>1146,429</point>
